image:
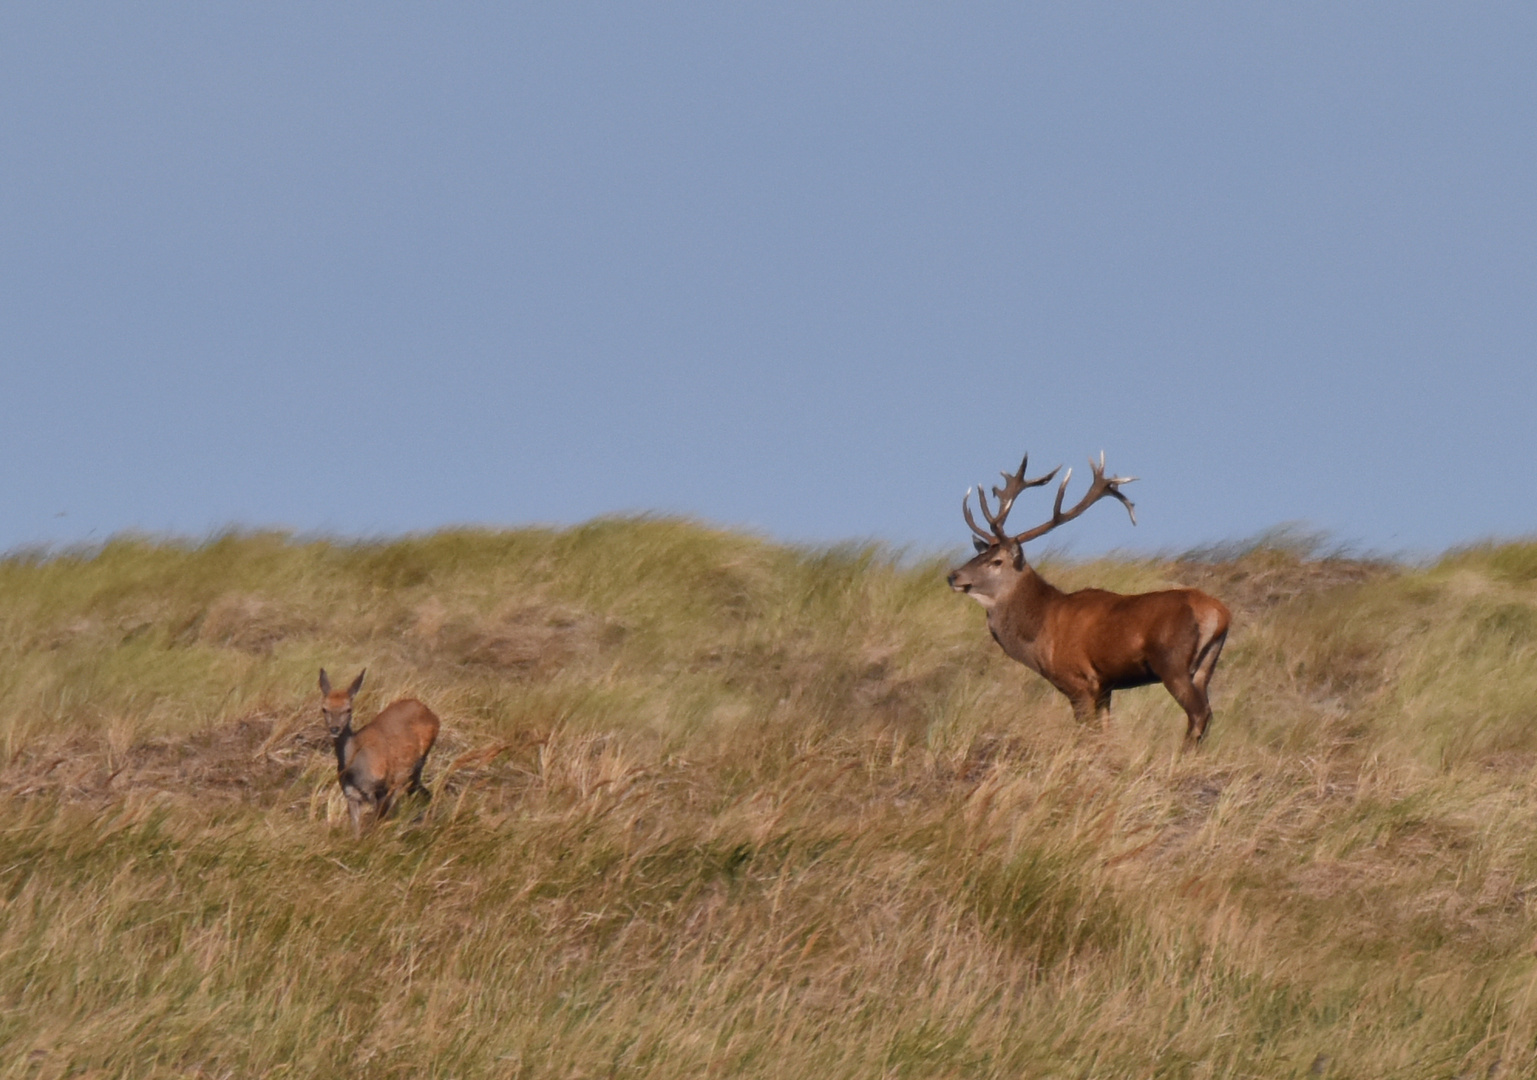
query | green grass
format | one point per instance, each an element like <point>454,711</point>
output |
<point>710,806</point>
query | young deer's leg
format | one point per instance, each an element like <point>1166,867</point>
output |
<point>355,810</point>
<point>384,799</point>
<point>417,786</point>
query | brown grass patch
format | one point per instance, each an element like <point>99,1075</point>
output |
<point>705,806</point>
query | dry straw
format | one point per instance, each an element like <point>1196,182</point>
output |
<point>710,806</point>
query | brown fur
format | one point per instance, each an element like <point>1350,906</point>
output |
<point>376,763</point>
<point>1090,643</point>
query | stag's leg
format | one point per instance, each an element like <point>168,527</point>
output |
<point>1085,707</point>
<point>1196,723</point>
<point>1202,668</point>
<point>1205,662</point>
<point>1193,700</point>
<point>1178,680</point>
<point>1097,711</point>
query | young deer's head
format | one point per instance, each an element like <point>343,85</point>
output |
<point>336,705</point>
<point>1000,559</point>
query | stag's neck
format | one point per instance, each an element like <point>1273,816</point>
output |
<point>344,748</point>
<point>1020,616</point>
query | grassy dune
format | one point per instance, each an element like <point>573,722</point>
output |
<point>707,806</point>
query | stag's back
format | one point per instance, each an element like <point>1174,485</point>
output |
<point>388,754</point>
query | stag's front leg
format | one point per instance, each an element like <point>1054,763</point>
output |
<point>1101,714</point>
<point>1085,706</point>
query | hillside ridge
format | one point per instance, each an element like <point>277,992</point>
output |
<point>709,805</point>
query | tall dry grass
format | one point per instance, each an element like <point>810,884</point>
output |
<point>711,806</point>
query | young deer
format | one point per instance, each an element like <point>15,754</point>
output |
<point>1091,642</point>
<point>375,763</point>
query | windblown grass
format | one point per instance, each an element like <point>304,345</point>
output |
<point>710,806</point>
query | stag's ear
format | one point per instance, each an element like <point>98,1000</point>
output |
<point>1019,555</point>
<point>980,544</point>
<point>357,684</point>
<point>325,683</point>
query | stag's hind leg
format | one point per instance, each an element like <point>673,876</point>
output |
<point>1189,685</point>
<point>1213,637</point>
<point>1193,700</point>
<point>1205,662</point>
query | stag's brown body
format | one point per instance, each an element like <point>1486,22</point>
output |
<point>1092,642</point>
<point>375,764</point>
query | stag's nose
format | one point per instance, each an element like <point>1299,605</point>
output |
<point>950,580</point>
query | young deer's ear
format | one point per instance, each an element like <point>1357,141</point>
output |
<point>357,684</point>
<point>325,683</point>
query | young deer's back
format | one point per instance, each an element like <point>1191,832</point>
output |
<point>388,753</point>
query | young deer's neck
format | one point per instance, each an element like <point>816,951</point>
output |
<point>343,745</point>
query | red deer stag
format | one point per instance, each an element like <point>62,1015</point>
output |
<point>375,763</point>
<point>1091,642</point>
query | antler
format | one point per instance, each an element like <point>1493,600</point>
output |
<point>1103,485</point>
<point>1013,484</point>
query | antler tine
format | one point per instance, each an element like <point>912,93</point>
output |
<point>995,520</point>
<point>1056,508</point>
<point>990,537</point>
<point>1013,484</point>
<point>1100,487</point>
<point>1112,487</point>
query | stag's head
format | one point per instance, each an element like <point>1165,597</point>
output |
<point>991,574</point>
<point>1000,559</point>
<point>336,705</point>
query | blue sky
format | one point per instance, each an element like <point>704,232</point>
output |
<point>367,269</point>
